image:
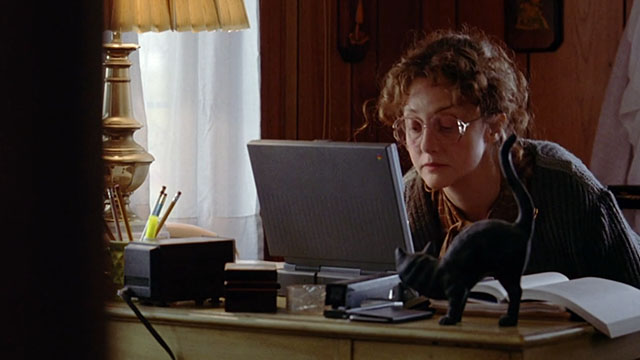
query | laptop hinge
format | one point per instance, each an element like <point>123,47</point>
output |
<point>369,272</point>
<point>341,270</point>
<point>294,267</point>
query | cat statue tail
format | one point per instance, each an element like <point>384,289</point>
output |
<point>526,214</point>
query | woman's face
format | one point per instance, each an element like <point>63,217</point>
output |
<point>443,163</point>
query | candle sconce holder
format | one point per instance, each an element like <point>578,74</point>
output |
<point>353,41</point>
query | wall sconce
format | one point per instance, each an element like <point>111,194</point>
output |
<point>353,41</point>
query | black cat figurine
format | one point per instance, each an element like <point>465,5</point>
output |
<point>486,248</point>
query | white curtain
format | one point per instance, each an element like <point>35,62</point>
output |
<point>202,104</point>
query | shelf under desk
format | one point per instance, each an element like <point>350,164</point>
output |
<point>204,332</point>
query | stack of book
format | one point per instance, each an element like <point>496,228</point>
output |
<point>250,287</point>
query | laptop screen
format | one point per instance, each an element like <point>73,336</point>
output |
<point>331,204</point>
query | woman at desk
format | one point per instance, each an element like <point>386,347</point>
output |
<point>467,80</point>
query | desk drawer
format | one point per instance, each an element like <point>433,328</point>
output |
<point>130,340</point>
<point>363,350</point>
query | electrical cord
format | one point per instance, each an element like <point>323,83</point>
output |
<point>126,293</point>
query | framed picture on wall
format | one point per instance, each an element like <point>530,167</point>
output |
<point>533,25</point>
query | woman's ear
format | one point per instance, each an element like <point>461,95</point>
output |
<point>495,131</point>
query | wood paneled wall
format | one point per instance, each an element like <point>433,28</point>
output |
<point>309,92</point>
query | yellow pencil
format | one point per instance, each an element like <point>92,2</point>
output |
<point>146,226</point>
<point>166,213</point>
<point>123,211</point>
<point>114,212</point>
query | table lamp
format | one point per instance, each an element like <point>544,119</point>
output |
<point>126,162</point>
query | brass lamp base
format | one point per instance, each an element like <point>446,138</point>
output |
<point>126,162</point>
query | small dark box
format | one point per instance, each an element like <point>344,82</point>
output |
<point>177,269</point>
<point>250,288</point>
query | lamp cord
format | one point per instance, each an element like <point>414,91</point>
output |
<point>125,293</point>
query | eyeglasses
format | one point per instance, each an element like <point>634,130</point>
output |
<point>448,128</point>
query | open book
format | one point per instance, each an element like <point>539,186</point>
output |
<point>611,307</point>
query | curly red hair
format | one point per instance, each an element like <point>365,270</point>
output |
<point>478,68</point>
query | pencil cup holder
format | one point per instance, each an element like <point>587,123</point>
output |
<point>116,250</point>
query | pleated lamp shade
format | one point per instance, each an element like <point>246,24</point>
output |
<point>177,15</point>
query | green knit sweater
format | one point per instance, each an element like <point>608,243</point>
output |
<point>579,230</point>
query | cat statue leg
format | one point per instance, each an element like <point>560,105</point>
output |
<point>512,286</point>
<point>457,296</point>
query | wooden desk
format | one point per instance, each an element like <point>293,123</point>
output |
<point>202,333</point>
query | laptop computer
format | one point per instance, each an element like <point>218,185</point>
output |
<point>332,210</point>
